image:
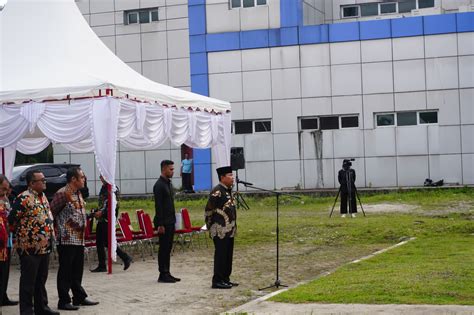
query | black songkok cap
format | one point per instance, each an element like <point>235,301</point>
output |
<point>221,171</point>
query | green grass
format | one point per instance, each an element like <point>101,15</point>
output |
<point>436,268</point>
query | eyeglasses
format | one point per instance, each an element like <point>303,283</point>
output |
<point>39,180</point>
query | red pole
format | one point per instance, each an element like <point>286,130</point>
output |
<point>109,229</point>
<point>3,161</point>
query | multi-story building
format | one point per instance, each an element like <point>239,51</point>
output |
<point>311,82</point>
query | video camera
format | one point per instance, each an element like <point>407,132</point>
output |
<point>346,163</point>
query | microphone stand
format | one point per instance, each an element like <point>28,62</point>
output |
<point>277,194</point>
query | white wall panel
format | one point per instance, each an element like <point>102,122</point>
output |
<point>380,142</point>
<point>288,174</point>
<point>315,55</point>
<point>376,103</point>
<point>348,143</point>
<point>446,167</point>
<point>412,140</point>
<point>286,147</point>
<point>412,170</point>
<point>346,52</point>
<point>409,75</point>
<point>255,59</point>
<point>285,57</point>
<point>285,115</point>
<point>346,79</point>
<point>225,61</point>
<point>408,48</point>
<point>447,102</point>
<point>286,83</point>
<point>256,110</point>
<point>441,73</point>
<point>316,81</point>
<point>410,101</point>
<point>257,85</point>
<point>444,139</point>
<point>376,50</point>
<point>377,77</point>
<point>381,171</point>
<point>226,86</point>
<point>467,106</point>
<point>441,45</point>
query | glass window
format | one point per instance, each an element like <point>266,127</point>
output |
<point>235,3</point>
<point>406,6</point>
<point>406,119</point>
<point>309,123</point>
<point>154,15</point>
<point>249,3</point>
<point>352,11</point>
<point>133,18</point>
<point>425,4</point>
<point>328,123</point>
<point>369,9</point>
<point>261,2</point>
<point>144,16</point>
<point>349,121</point>
<point>263,126</point>
<point>388,8</point>
<point>243,127</point>
<point>428,117</point>
<point>385,119</point>
<point>50,172</point>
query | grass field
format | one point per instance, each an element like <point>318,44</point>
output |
<point>436,268</point>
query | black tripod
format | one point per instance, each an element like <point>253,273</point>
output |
<point>348,175</point>
<point>239,198</point>
<point>277,194</point>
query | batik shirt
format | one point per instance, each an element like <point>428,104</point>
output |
<point>220,213</point>
<point>33,223</point>
<point>4,211</point>
<point>69,212</point>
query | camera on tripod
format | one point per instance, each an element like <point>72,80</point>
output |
<point>347,163</point>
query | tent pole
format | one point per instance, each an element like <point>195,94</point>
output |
<point>110,225</point>
<point>3,161</point>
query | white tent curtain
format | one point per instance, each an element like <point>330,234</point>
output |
<point>96,124</point>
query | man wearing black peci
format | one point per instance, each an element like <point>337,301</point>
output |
<point>347,177</point>
<point>165,219</point>
<point>221,219</point>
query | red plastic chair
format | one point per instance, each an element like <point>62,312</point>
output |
<point>196,230</point>
<point>184,233</point>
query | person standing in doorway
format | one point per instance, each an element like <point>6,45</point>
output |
<point>186,173</point>
<point>165,219</point>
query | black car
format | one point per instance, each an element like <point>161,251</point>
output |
<point>55,175</point>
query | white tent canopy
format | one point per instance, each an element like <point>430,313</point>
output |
<point>54,77</point>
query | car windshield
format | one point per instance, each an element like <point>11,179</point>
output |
<point>17,170</point>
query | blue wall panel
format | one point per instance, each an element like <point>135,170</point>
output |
<point>344,32</point>
<point>223,41</point>
<point>407,27</point>
<point>202,169</point>
<point>289,36</point>
<point>375,29</point>
<point>465,22</point>
<point>200,84</point>
<point>196,2</point>
<point>197,43</point>
<point>254,39</point>
<point>198,63</point>
<point>197,19</point>
<point>439,24</point>
<point>313,34</point>
<point>291,13</point>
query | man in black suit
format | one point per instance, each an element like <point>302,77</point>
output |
<point>165,219</point>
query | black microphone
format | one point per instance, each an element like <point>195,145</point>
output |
<point>243,182</point>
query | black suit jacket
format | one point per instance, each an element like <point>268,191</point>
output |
<point>164,202</point>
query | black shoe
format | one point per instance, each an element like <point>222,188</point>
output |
<point>68,307</point>
<point>127,262</point>
<point>174,278</point>
<point>48,311</point>
<point>234,284</point>
<point>221,285</point>
<point>86,302</point>
<point>9,302</point>
<point>99,269</point>
<point>166,279</point>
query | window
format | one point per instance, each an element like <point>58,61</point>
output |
<point>246,3</point>
<point>309,123</point>
<point>243,127</point>
<point>350,11</point>
<point>406,6</point>
<point>406,119</point>
<point>349,121</point>
<point>369,9</point>
<point>141,16</point>
<point>428,117</point>
<point>425,4</point>
<point>385,120</point>
<point>387,8</point>
<point>263,126</point>
<point>51,172</point>
<point>331,122</point>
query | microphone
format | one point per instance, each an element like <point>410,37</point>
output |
<point>244,182</point>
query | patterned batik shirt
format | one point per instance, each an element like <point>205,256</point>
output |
<point>69,212</point>
<point>33,223</point>
<point>220,213</point>
<point>4,211</point>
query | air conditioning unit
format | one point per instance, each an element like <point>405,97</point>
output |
<point>427,11</point>
<point>466,8</point>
